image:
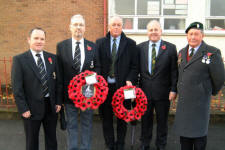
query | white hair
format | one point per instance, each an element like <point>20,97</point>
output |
<point>74,17</point>
<point>115,17</point>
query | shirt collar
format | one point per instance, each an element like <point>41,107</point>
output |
<point>196,48</point>
<point>117,38</point>
<point>81,41</point>
<point>34,52</point>
<point>157,44</point>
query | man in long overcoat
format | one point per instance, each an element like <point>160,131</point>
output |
<point>201,74</point>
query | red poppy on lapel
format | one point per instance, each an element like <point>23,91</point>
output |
<point>209,54</point>
<point>89,47</point>
<point>163,47</point>
<point>50,60</point>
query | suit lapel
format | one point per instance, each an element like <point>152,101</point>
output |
<point>146,55</point>
<point>47,63</point>
<point>86,54</point>
<point>69,51</point>
<point>121,48</point>
<point>184,55</point>
<point>31,62</point>
<point>160,53</point>
<point>108,48</point>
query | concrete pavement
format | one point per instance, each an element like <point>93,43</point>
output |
<point>12,137</point>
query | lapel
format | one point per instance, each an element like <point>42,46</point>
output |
<point>32,64</point>
<point>161,51</point>
<point>184,55</point>
<point>86,55</point>
<point>197,55</point>
<point>47,63</point>
<point>146,55</point>
<point>68,50</point>
<point>108,48</point>
<point>121,47</point>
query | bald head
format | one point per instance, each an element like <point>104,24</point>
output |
<point>153,23</point>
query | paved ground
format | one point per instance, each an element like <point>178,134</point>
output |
<point>12,137</point>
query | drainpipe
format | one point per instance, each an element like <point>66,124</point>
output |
<point>105,17</point>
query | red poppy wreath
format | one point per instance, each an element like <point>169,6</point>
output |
<point>75,88</point>
<point>129,115</point>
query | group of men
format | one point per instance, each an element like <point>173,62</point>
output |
<point>40,84</point>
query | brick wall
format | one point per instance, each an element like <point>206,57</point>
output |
<point>17,17</point>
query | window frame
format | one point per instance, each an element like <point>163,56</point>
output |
<point>187,18</point>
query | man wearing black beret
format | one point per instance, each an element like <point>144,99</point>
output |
<point>201,74</point>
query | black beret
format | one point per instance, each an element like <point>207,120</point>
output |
<point>195,25</point>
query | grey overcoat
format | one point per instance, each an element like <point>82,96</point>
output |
<point>196,83</point>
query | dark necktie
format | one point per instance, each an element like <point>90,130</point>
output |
<point>153,58</point>
<point>43,74</point>
<point>77,57</point>
<point>192,52</point>
<point>111,73</point>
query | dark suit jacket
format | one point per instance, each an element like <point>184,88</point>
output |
<point>197,82</point>
<point>164,79</point>
<point>65,65</point>
<point>126,65</point>
<point>26,84</point>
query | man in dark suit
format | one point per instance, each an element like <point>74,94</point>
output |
<point>201,74</point>
<point>34,88</point>
<point>119,66</point>
<point>74,56</point>
<point>158,79</point>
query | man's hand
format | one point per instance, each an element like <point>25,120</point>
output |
<point>128,83</point>
<point>172,96</point>
<point>57,108</point>
<point>26,114</point>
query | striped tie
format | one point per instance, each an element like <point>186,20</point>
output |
<point>192,52</point>
<point>43,75</point>
<point>111,72</point>
<point>77,57</point>
<point>153,58</point>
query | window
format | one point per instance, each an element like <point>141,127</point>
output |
<point>136,14</point>
<point>215,15</point>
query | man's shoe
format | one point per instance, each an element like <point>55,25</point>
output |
<point>145,147</point>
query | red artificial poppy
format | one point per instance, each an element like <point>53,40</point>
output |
<point>163,47</point>
<point>137,116</point>
<point>83,106</point>
<point>209,54</point>
<point>89,103</point>
<point>50,60</point>
<point>89,48</point>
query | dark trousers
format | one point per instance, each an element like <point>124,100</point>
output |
<point>161,108</point>
<point>32,128</point>
<point>106,113</point>
<point>198,143</point>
